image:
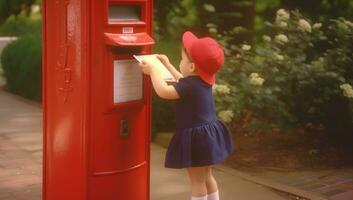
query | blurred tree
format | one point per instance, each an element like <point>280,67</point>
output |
<point>227,15</point>
<point>9,7</point>
<point>171,16</point>
<point>265,11</point>
<point>162,9</point>
<point>321,9</point>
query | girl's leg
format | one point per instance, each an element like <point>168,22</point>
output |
<point>211,183</point>
<point>198,176</point>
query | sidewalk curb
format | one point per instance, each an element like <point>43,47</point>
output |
<point>271,184</point>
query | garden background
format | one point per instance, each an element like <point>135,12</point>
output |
<point>285,89</point>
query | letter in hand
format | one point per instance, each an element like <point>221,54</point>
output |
<point>164,59</point>
<point>146,67</point>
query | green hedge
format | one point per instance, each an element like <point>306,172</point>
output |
<point>21,61</point>
<point>21,25</point>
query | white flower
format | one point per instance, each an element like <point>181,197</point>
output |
<point>281,38</point>
<point>282,15</point>
<point>279,57</point>
<point>255,79</point>
<point>304,25</point>
<point>347,90</point>
<point>317,25</point>
<point>220,89</point>
<point>212,30</point>
<point>35,9</point>
<point>209,7</point>
<point>254,75</point>
<point>282,24</point>
<point>348,23</point>
<point>246,47</point>
<point>266,38</point>
<point>226,115</point>
<point>211,25</point>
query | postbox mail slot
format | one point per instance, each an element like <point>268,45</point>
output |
<point>124,13</point>
<point>136,39</point>
<point>127,49</point>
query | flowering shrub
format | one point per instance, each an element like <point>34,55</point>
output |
<point>301,73</point>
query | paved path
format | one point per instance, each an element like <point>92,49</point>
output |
<point>171,184</point>
<point>332,184</point>
<point>20,148</point>
<point>21,154</point>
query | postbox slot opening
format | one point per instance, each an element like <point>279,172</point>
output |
<point>124,13</point>
<point>127,49</point>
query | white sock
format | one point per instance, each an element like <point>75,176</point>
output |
<point>213,196</point>
<point>199,198</point>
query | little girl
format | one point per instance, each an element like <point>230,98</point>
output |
<point>201,139</point>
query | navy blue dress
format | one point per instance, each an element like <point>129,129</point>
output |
<point>201,139</point>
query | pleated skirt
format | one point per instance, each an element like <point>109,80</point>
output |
<point>198,146</point>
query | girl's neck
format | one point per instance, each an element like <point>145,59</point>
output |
<point>191,74</point>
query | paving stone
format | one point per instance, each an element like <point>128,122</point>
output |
<point>6,196</point>
<point>311,177</point>
<point>334,192</point>
<point>289,180</point>
<point>33,192</point>
<point>343,196</point>
<point>303,183</point>
<point>314,186</point>
<point>348,185</point>
<point>326,183</point>
<point>20,180</point>
<point>330,182</point>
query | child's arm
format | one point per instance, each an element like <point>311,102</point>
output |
<point>162,89</point>
<point>164,59</point>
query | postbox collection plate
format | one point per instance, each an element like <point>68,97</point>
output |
<point>128,81</point>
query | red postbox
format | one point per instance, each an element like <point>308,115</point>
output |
<point>97,102</point>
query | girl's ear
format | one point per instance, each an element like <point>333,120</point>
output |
<point>192,67</point>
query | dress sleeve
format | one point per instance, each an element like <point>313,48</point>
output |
<point>182,87</point>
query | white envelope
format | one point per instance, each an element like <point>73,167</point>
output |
<point>167,76</point>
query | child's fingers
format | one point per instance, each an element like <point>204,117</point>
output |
<point>146,62</point>
<point>141,64</point>
<point>144,67</point>
<point>160,56</point>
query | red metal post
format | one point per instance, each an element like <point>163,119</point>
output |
<point>96,129</point>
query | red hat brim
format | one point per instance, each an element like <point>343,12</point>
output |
<point>208,78</point>
<point>188,39</point>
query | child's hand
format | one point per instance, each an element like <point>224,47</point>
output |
<point>164,59</point>
<point>146,67</point>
